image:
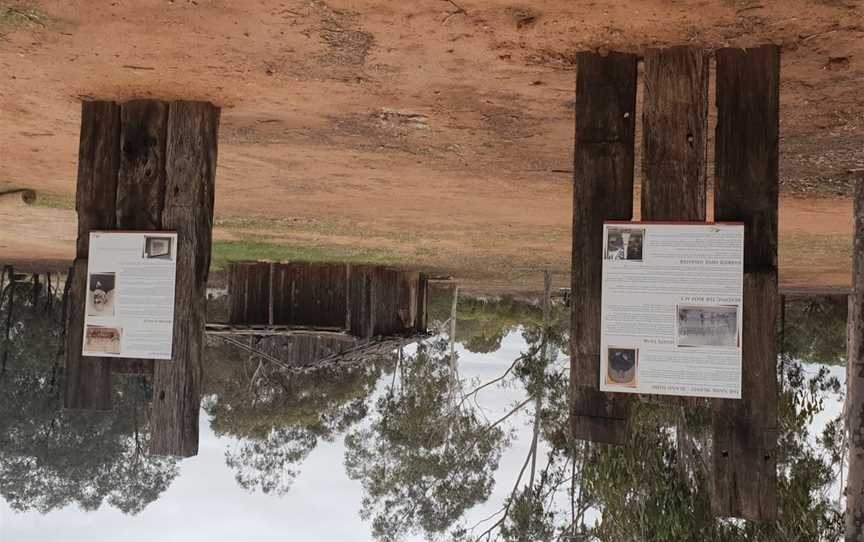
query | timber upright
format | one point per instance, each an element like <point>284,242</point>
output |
<point>855,379</point>
<point>674,188</point>
<point>148,165</point>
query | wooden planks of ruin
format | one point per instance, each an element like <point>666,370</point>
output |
<point>363,299</point>
<point>602,190</point>
<point>746,189</point>
<point>148,165</point>
<point>674,188</point>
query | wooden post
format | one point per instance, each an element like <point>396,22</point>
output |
<point>140,184</point>
<point>746,189</point>
<point>148,165</point>
<point>747,149</point>
<point>190,165</point>
<point>855,380</point>
<point>745,432</point>
<point>422,302</point>
<point>675,130</point>
<point>88,379</point>
<point>675,144</point>
<point>602,190</point>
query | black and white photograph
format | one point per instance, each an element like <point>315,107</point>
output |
<point>624,243</point>
<point>102,340</point>
<point>715,325</point>
<point>157,248</point>
<point>100,294</point>
<point>621,365</point>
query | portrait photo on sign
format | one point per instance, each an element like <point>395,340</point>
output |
<point>624,243</point>
<point>710,325</point>
<point>102,340</point>
<point>621,365</point>
<point>157,247</point>
<point>100,294</point>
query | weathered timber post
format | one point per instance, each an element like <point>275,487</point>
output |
<point>602,190</point>
<point>140,184</point>
<point>746,190</point>
<point>148,165</point>
<point>88,379</point>
<point>855,380</point>
<point>190,175</point>
<point>675,144</point>
<point>675,135</point>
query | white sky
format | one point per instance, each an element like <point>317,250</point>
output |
<point>204,503</point>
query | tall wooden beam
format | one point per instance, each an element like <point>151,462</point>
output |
<point>745,432</point>
<point>190,166</point>
<point>855,380</point>
<point>675,144</point>
<point>602,190</point>
<point>675,134</point>
<point>747,149</point>
<point>140,184</point>
<point>746,188</point>
<point>88,379</point>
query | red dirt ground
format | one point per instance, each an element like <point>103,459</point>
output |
<point>432,129</point>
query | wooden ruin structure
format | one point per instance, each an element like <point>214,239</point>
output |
<point>148,165</point>
<point>674,188</point>
<point>306,316</point>
<point>362,300</point>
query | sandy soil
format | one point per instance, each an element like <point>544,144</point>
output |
<point>438,130</point>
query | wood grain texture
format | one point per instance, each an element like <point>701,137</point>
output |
<point>675,147</point>
<point>361,301</point>
<point>249,286</point>
<point>422,303</point>
<point>602,190</point>
<point>98,159</point>
<point>310,294</point>
<point>745,432</point>
<point>141,179</point>
<point>746,188</point>
<point>675,134</point>
<point>87,380</point>
<point>747,148</point>
<point>190,164</point>
<point>855,380</point>
<point>140,184</point>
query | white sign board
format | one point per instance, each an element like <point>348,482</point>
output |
<point>130,295</point>
<point>672,309</point>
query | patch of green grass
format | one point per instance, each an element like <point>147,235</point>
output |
<point>17,15</point>
<point>54,201</point>
<point>228,251</point>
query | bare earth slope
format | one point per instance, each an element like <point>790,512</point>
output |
<point>437,131</point>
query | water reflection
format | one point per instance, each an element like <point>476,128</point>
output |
<point>410,444</point>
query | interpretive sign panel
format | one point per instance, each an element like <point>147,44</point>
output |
<point>672,309</point>
<point>130,295</point>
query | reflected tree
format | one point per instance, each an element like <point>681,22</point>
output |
<point>483,323</point>
<point>656,487</point>
<point>428,455</point>
<point>278,416</point>
<point>51,458</point>
<point>815,329</point>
